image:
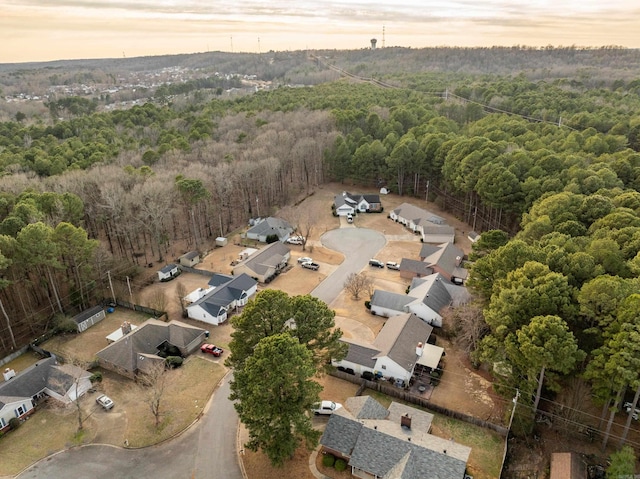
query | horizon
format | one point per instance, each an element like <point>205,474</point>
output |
<point>36,31</point>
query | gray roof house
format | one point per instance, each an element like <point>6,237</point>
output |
<point>20,393</point>
<point>426,298</point>
<point>270,226</point>
<point>431,227</point>
<point>446,259</point>
<point>264,265</point>
<point>130,354</point>
<point>393,443</point>
<point>224,294</point>
<point>348,203</point>
<point>399,346</point>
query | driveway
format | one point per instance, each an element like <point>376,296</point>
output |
<point>358,246</point>
<point>205,451</point>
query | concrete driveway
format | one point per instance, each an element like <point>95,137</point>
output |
<point>358,245</point>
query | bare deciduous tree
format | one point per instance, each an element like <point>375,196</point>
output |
<point>466,323</point>
<point>154,382</point>
<point>181,292</point>
<point>157,300</point>
<point>357,284</point>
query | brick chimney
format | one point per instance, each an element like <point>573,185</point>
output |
<point>419,349</point>
<point>405,421</point>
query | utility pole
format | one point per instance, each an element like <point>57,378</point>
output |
<point>129,286</point>
<point>513,411</point>
<point>475,216</point>
<point>427,197</point>
<point>111,286</point>
<point>257,208</point>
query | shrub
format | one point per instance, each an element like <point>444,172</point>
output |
<point>340,465</point>
<point>64,324</point>
<point>173,361</point>
<point>328,460</point>
<point>367,304</point>
<point>272,239</point>
<point>96,377</point>
<point>14,423</point>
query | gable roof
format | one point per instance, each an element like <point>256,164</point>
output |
<point>415,266</point>
<point>271,226</point>
<point>86,314</point>
<point>447,259</point>
<point>399,337</point>
<point>365,407</point>
<point>168,268</point>
<point>225,294</point>
<point>190,255</point>
<point>409,453</point>
<point>431,291</point>
<point>387,299</point>
<point>352,200</point>
<point>145,340</point>
<point>418,215</point>
<point>268,257</point>
<point>360,353</point>
<point>45,374</point>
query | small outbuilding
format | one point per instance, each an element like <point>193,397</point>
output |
<point>190,259</point>
<point>169,272</point>
<point>88,318</point>
<point>221,241</point>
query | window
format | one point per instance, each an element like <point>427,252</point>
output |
<point>383,366</point>
<point>3,423</point>
<point>21,410</point>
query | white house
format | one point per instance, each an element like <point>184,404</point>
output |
<point>20,394</point>
<point>347,203</point>
<point>399,346</point>
<point>169,272</point>
<point>266,227</point>
<point>225,293</point>
<point>426,298</point>
<point>266,264</point>
<point>431,227</point>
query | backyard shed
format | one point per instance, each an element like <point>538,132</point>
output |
<point>190,259</point>
<point>169,272</point>
<point>88,318</point>
<point>221,241</point>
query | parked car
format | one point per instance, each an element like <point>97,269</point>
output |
<point>212,349</point>
<point>295,240</point>
<point>349,218</point>
<point>311,265</point>
<point>393,265</point>
<point>305,259</point>
<point>326,407</point>
<point>104,401</point>
<point>627,408</point>
<point>376,262</point>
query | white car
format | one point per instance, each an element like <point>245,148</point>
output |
<point>636,413</point>
<point>326,407</point>
<point>305,259</point>
<point>393,265</point>
<point>104,401</point>
<point>295,240</point>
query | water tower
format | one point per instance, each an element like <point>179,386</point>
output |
<point>373,43</point>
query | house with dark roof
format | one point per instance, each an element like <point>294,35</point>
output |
<point>393,443</point>
<point>147,344</point>
<point>225,293</point>
<point>20,393</point>
<point>264,228</point>
<point>426,298</point>
<point>347,203</point>
<point>446,259</point>
<point>168,272</point>
<point>88,318</point>
<point>400,346</point>
<point>431,227</point>
<point>266,264</point>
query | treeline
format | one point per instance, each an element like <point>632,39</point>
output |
<point>152,177</point>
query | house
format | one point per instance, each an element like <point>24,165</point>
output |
<point>376,442</point>
<point>567,465</point>
<point>169,272</point>
<point>445,259</point>
<point>347,203</point>
<point>426,299</point>
<point>224,294</point>
<point>431,227</point>
<point>265,228</point>
<point>88,318</point>
<point>400,346</point>
<point>413,268</point>
<point>266,264</point>
<point>149,344</point>
<point>189,259</point>
<point>20,394</point>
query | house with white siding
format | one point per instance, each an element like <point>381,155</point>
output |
<point>431,227</point>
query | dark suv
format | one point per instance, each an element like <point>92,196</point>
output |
<point>377,263</point>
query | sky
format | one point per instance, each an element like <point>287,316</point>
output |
<point>42,30</point>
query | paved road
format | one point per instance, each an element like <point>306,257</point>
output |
<point>207,450</point>
<point>358,245</point>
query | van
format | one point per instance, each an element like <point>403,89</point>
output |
<point>376,262</point>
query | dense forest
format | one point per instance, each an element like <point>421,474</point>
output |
<point>538,149</point>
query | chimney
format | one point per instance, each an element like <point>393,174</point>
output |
<point>405,421</point>
<point>419,349</point>
<point>458,260</point>
<point>126,327</point>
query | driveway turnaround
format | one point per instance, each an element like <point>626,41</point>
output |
<point>207,450</point>
<point>358,245</point>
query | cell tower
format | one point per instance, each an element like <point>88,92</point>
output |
<point>382,36</point>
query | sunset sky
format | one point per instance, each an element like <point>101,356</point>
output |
<point>38,30</point>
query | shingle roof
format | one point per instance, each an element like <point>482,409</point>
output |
<point>385,448</point>
<point>446,259</point>
<point>415,266</point>
<point>386,299</point>
<point>271,225</point>
<point>268,257</point>
<point>365,407</point>
<point>360,353</point>
<point>431,291</point>
<point>225,294</point>
<point>399,337</point>
<point>190,255</point>
<point>86,314</point>
<point>218,278</point>
<point>145,340</point>
<point>418,215</point>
